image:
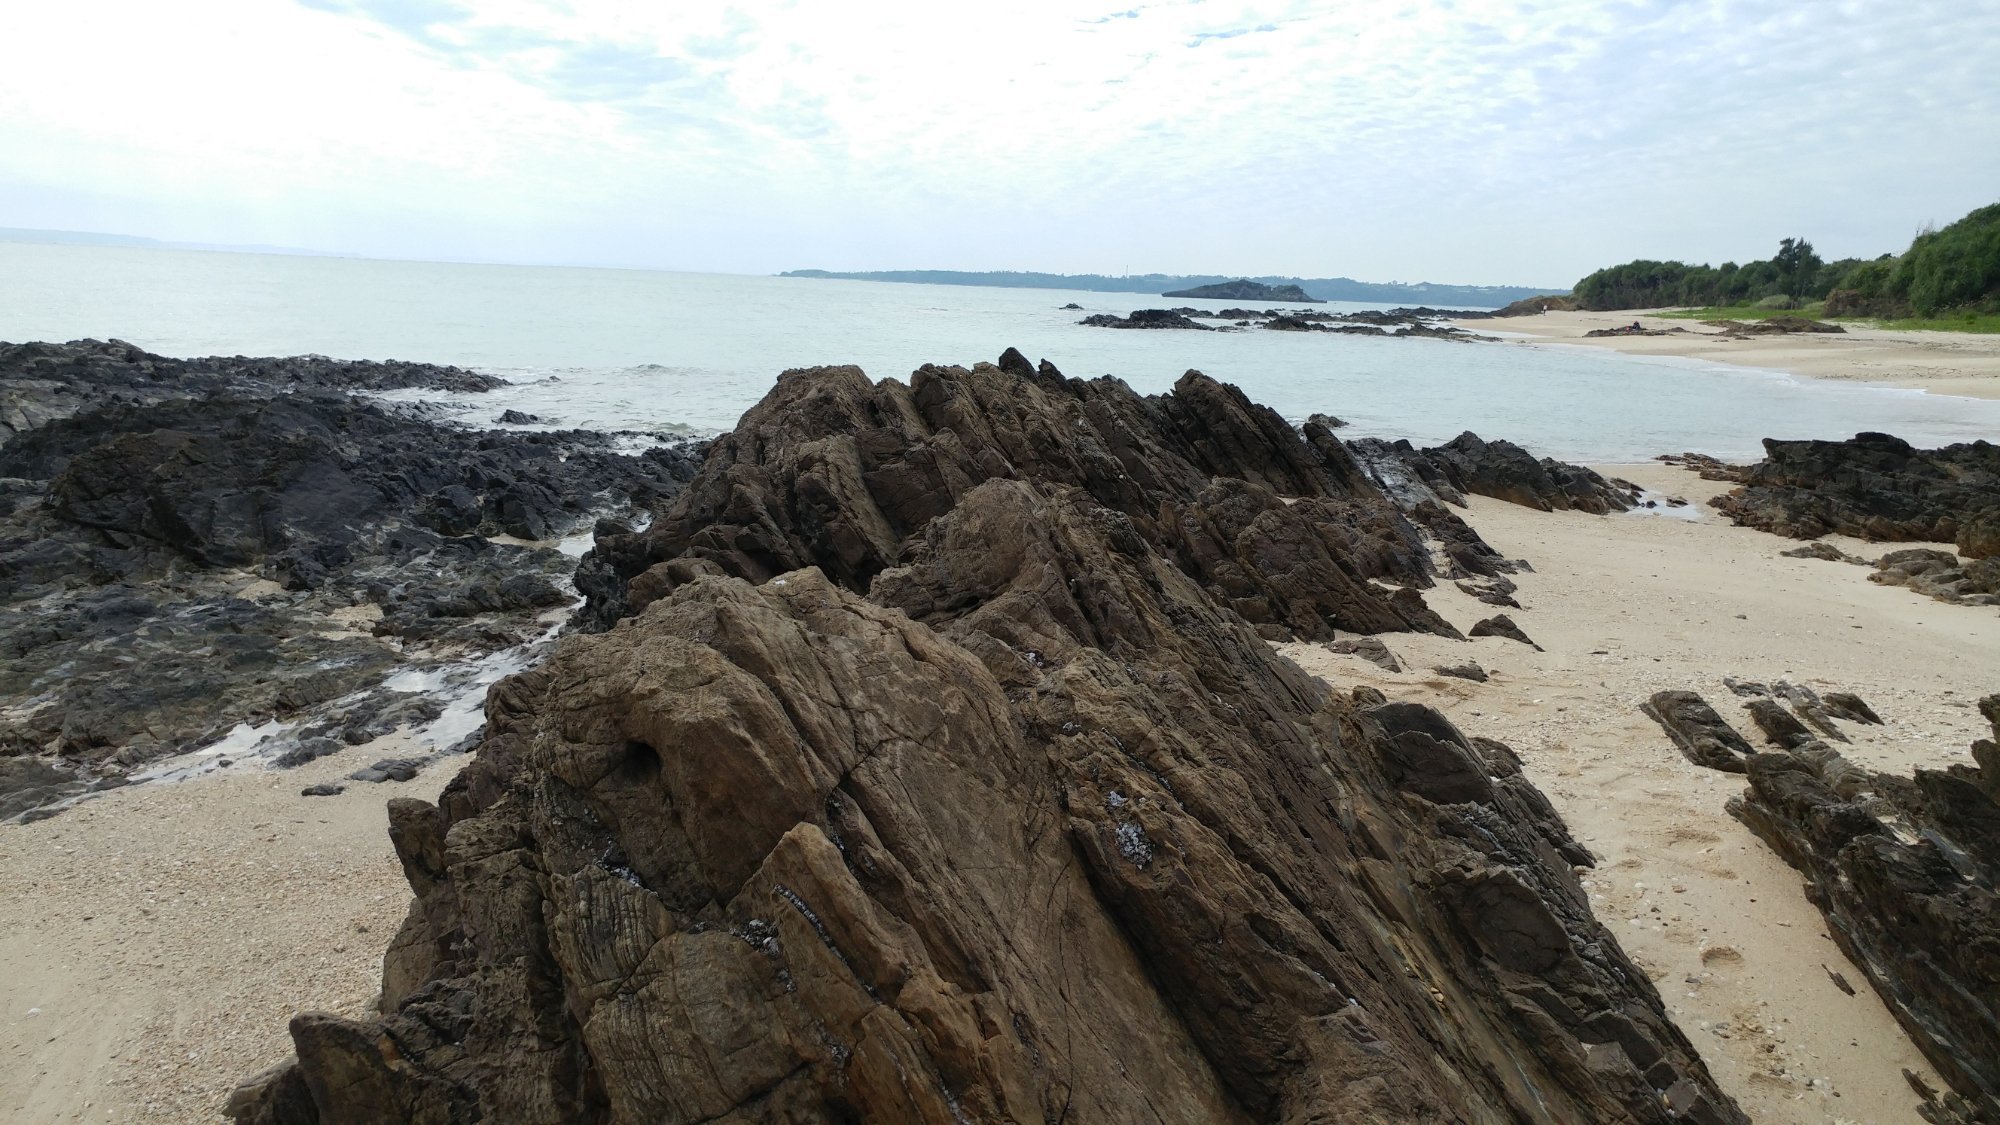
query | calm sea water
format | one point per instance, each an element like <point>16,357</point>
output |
<point>678,353</point>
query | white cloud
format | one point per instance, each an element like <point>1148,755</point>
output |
<point>1498,141</point>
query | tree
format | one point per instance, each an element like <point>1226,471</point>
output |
<point>1797,266</point>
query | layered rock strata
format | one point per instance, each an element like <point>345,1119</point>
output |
<point>1905,871</point>
<point>927,769</point>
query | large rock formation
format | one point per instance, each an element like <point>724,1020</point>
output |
<point>929,774</point>
<point>837,472</point>
<point>1874,486</point>
<point>1905,871</point>
<point>186,545</point>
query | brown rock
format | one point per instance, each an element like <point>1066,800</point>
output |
<point>1038,829</point>
<point>1701,734</point>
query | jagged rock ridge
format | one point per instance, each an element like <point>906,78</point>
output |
<point>1904,870</point>
<point>980,804</point>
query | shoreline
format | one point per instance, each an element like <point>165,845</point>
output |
<point>1964,365</point>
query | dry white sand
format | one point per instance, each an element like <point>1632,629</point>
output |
<point>156,940</point>
<point>1632,604</point>
<point>1947,363</point>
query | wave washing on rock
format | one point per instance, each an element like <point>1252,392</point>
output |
<point>933,765</point>
<point>191,548</point>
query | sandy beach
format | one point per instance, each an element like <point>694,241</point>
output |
<point>1945,363</point>
<point>159,937</point>
<point>1632,604</point>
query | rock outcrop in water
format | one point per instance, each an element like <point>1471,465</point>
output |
<point>1876,487</point>
<point>1243,289</point>
<point>930,773</point>
<point>186,545</point>
<point>1905,871</point>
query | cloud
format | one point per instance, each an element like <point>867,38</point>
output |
<point>1514,140</point>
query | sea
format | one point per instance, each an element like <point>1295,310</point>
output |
<point>685,354</point>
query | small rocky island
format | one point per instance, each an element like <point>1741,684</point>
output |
<point>1243,289</point>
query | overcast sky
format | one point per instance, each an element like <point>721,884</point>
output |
<point>1476,141</point>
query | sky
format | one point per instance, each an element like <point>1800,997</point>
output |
<point>1465,141</point>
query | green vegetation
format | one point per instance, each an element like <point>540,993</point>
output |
<point>1964,320</point>
<point>1947,279</point>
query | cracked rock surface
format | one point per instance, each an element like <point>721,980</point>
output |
<point>938,795</point>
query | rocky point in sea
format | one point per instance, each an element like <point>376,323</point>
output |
<point>927,759</point>
<point>190,547</point>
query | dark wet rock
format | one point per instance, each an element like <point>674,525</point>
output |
<point>1873,487</point>
<point>1823,551</point>
<point>1633,330</point>
<point>1505,471</point>
<point>1941,575</point>
<point>1806,702</point>
<point>1501,625</point>
<point>1703,737</point>
<point>1466,671</point>
<point>1499,469</point>
<point>1399,469</point>
<point>1295,324</point>
<point>518,418</point>
<point>323,789</point>
<point>1072,306</point>
<point>1144,318</point>
<point>1497,591</point>
<point>1707,467</point>
<point>1849,706</point>
<point>1000,814</point>
<point>389,769</point>
<point>1780,727</point>
<point>194,544</point>
<point>1904,871</point>
<point>1370,649</point>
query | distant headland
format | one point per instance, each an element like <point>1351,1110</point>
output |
<point>1243,289</point>
<point>1314,288</point>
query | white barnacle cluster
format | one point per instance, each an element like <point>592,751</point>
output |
<point>1133,844</point>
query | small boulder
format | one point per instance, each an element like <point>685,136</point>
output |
<point>1849,706</point>
<point>1370,649</point>
<point>1466,671</point>
<point>1501,625</point>
<point>388,769</point>
<point>1701,734</point>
